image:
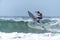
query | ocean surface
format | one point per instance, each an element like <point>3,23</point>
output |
<point>24,28</point>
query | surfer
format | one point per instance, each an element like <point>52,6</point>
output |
<point>36,18</point>
<point>39,16</point>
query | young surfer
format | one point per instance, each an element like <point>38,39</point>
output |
<point>39,16</point>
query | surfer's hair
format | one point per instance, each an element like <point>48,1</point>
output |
<point>38,12</point>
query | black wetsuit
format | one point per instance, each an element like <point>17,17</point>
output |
<point>39,17</point>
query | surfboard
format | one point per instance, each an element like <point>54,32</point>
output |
<point>31,15</point>
<point>34,23</point>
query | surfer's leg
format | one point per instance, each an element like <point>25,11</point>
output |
<point>38,20</point>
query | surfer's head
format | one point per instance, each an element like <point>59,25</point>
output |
<point>37,12</point>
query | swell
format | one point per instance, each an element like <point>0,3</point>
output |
<point>17,26</point>
<point>22,26</point>
<point>12,26</point>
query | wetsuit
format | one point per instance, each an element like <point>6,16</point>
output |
<point>39,17</point>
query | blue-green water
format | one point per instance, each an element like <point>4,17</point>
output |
<point>18,28</point>
<point>22,26</point>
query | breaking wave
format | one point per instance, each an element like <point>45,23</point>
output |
<point>26,25</point>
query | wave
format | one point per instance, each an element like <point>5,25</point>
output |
<point>21,25</point>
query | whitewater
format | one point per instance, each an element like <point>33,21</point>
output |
<point>22,28</point>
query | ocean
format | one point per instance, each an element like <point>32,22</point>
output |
<point>23,28</point>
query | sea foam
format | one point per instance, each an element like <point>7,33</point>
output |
<point>29,36</point>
